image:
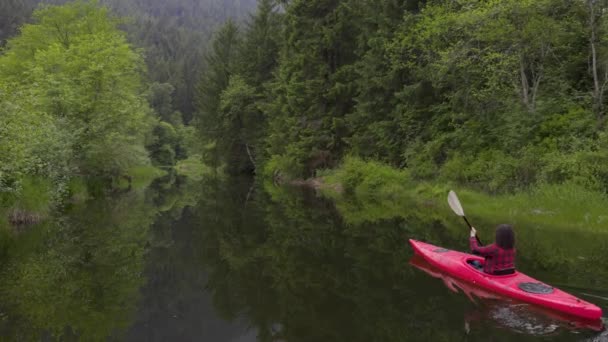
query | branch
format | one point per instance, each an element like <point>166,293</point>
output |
<point>250,156</point>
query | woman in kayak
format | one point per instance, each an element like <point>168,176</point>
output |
<point>499,256</point>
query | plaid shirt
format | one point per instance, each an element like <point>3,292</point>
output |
<point>497,259</point>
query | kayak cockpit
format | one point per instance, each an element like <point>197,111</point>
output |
<point>477,265</point>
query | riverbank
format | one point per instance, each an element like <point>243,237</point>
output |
<point>384,191</point>
<point>559,226</point>
<point>560,230</point>
<point>38,196</point>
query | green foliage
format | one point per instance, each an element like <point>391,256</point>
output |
<point>71,99</point>
<point>282,165</point>
<point>563,207</point>
<point>586,168</point>
<point>142,176</point>
<point>78,190</point>
<point>260,47</point>
<point>482,93</point>
<point>171,32</point>
<point>370,179</point>
<point>232,94</point>
<point>33,143</point>
<point>490,170</point>
<point>193,168</point>
<point>163,146</point>
<point>31,203</point>
<point>497,95</point>
<point>175,36</point>
<point>220,65</point>
<point>161,101</point>
<point>373,191</point>
<point>241,125</point>
<point>312,90</point>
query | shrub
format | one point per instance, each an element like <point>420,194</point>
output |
<point>371,179</point>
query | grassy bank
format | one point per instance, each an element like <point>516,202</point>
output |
<point>36,197</point>
<point>374,191</point>
<point>31,204</point>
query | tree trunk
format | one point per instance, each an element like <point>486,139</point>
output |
<point>597,91</point>
<point>250,156</point>
<point>525,88</point>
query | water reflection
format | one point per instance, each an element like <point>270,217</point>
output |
<point>516,316</point>
<point>78,275</point>
<point>234,260</point>
<point>288,258</point>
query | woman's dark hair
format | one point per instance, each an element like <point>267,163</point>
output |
<point>505,237</point>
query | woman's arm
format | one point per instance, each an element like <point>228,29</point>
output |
<point>481,250</point>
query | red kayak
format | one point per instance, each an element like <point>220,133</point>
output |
<point>517,285</point>
<point>493,300</point>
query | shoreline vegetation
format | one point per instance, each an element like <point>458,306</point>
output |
<point>354,82</point>
<point>37,197</point>
<point>35,201</point>
<point>560,228</point>
<point>385,191</point>
<point>565,216</point>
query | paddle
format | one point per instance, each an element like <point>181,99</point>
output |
<point>454,203</point>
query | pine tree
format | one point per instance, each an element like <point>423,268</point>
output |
<point>313,89</point>
<point>219,66</point>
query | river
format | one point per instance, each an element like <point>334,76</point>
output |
<point>228,260</point>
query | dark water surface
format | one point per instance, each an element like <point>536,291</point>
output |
<point>222,260</point>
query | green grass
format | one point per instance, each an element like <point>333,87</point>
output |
<point>370,180</point>
<point>374,191</point>
<point>142,176</point>
<point>193,168</point>
<point>564,206</point>
<point>36,195</point>
<point>32,203</point>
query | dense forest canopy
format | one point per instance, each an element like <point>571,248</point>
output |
<point>98,88</point>
<point>174,35</point>
<point>495,94</point>
<point>71,96</point>
<point>499,95</point>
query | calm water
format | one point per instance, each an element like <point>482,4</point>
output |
<point>228,261</point>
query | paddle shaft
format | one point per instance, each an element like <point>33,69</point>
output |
<point>467,221</point>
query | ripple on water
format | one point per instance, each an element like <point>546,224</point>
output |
<point>518,318</point>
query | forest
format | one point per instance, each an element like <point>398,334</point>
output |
<point>499,96</point>
<point>149,148</point>
<point>495,95</point>
<point>95,95</point>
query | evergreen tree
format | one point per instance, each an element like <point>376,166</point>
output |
<point>220,65</point>
<point>313,89</point>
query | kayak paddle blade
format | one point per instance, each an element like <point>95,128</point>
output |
<point>455,204</point>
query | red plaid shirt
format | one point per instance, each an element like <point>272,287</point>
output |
<point>497,259</point>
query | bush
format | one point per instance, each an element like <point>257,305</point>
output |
<point>423,160</point>
<point>491,170</point>
<point>370,179</point>
<point>585,168</point>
